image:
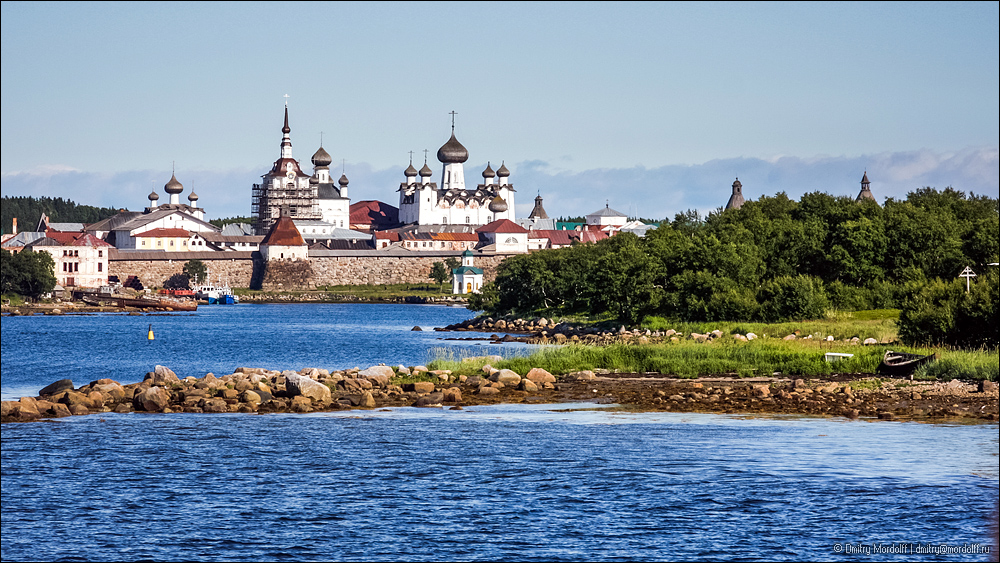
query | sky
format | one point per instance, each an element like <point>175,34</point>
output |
<point>650,108</point>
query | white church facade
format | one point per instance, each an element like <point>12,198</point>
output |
<point>423,202</point>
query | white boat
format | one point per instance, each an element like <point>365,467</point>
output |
<point>215,294</point>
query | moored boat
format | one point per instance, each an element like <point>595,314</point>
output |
<point>902,363</point>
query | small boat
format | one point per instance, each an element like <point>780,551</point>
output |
<point>162,303</point>
<point>901,363</point>
<point>216,294</point>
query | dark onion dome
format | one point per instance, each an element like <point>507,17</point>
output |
<point>498,205</point>
<point>173,186</point>
<point>192,196</point>
<point>286,129</point>
<point>489,173</point>
<point>426,171</point>
<point>737,184</point>
<point>410,171</point>
<point>153,196</point>
<point>343,180</point>
<point>321,158</point>
<point>313,180</point>
<point>452,152</point>
<point>502,171</point>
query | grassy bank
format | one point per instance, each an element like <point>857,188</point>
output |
<point>742,359</point>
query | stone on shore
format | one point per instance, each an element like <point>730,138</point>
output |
<point>162,376</point>
<point>299,385</point>
<point>453,395</point>
<point>419,387</point>
<point>539,375</point>
<point>154,399</point>
<point>376,371</point>
<point>507,377</point>
<point>58,386</point>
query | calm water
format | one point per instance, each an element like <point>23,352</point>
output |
<point>485,483</point>
<point>38,350</point>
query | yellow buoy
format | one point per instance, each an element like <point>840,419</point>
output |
<point>150,335</point>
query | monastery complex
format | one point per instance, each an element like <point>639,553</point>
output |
<point>305,231</point>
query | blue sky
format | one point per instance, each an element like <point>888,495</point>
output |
<point>652,107</point>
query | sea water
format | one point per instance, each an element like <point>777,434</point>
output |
<point>505,482</point>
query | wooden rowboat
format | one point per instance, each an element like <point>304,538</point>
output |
<point>902,363</point>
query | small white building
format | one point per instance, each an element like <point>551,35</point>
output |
<point>283,242</point>
<point>81,259</point>
<point>607,217</point>
<point>503,237</point>
<point>466,278</point>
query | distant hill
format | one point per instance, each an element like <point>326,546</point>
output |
<point>28,209</point>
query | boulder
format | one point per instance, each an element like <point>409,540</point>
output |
<point>870,341</point>
<point>154,399</point>
<point>367,400</point>
<point>761,391</point>
<point>376,371</point>
<point>507,377</point>
<point>486,391</point>
<point>431,400</point>
<point>539,375</point>
<point>298,385</point>
<point>419,387</point>
<point>527,385</point>
<point>301,403</point>
<point>987,386</point>
<point>251,397</point>
<point>162,376</point>
<point>584,375</point>
<point>123,408</point>
<point>751,336</point>
<point>416,328</point>
<point>53,388</point>
<point>453,395</point>
<point>112,390</point>
<point>77,410</point>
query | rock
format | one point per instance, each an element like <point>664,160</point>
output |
<point>301,403</point>
<point>716,333</point>
<point>297,385</point>
<point>78,410</point>
<point>27,408</point>
<point>987,386</point>
<point>112,390</point>
<point>251,397</point>
<point>831,339</point>
<point>584,375</point>
<point>539,375</point>
<point>789,337</point>
<point>852,413</point>
<point>870,341</point>
<point>8,408</point>
<point>162,376</point>
<point>431,400</point>
<point>376,371</point>
<point>229,393</point>
<point>527,385</point>
<point>367,400</point>
<point>740,337</point>
<point>123,408</point>
<point>154,399</point>
<point>486,391</point>
<point>419,387</point>
<point>761,391</point>
<point>507,377</point>
<point>453,395</point>
<point>416,329</point>
<point>419,368</point>
<point>53,388</point>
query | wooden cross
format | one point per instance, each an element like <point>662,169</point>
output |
<point>425,156</point>
<point>286,100</point>
<point>411,157</point>
<point>968,274</point>
<point>452,120</point>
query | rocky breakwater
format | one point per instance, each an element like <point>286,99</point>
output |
<point>256,390</point>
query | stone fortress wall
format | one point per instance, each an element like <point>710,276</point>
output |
<point>247,270</point>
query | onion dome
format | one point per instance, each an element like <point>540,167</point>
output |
<point>498,205</point>
<point>173,186</point>
<point>452,152</point>
<point>489,173</point>
<point>737,184</point>
<point>192,196</point>
<point>313,180</point>
<point>410,171</point>
<point>286,129</point>
<point>502,171</point>
<point>343,180</point>
<point>153,196</point>
<point>321,158</point>
<point>426,171</point>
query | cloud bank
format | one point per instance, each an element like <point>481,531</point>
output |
<point>654,193</point>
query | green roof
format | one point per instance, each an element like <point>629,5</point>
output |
<point>465,270</point>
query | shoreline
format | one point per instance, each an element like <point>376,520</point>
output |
<point>257,390</point>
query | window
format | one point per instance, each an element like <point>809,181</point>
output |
<point>100,267</point>
<point>171,242</point>
<point>76,266</point>
<point>100,254</point>
<point>143,242</point>
<point>64,266</point>
<point>467,221</point>
<point>159,243</point>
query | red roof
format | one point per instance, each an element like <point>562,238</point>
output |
<point>75,239</point>
<point>373,212</point>
<point>501,226</point>
<point>284,233</point>
<point>391,236</point>
<point>556,238</point>
<point>165,233</point>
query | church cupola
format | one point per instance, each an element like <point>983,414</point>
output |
<point>153,197</point>
<point>503,174</point>
<point>866,191</point>
<point>736,199</point>
<point>286,139</point>
<point>425,172</point>
<point>488,175</point>
<point>538,212</point>
<point>193,198</point>
<point>410,173</point>
<point>174,188</point>
<point>452,154</point>
<point>498,205</point>
<point>321,158</point>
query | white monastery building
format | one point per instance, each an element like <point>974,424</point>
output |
<point>423,202</point>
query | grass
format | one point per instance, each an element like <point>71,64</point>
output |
<point>880,325</point>
<point>727,356</point>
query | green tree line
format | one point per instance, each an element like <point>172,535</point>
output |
<point>772,260</point>
<point>28,210</point>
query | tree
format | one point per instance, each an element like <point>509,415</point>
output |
<point>194,270</point>
<point>10,275</point>
<point>625,276</point>
<point>34,272</point>
<point>439,273</point>
<point>178,281</point>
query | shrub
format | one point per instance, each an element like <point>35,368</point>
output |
<point>792,298</point>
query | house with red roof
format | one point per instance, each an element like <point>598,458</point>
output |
<point>503,236</point>
<point>81,259</point>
